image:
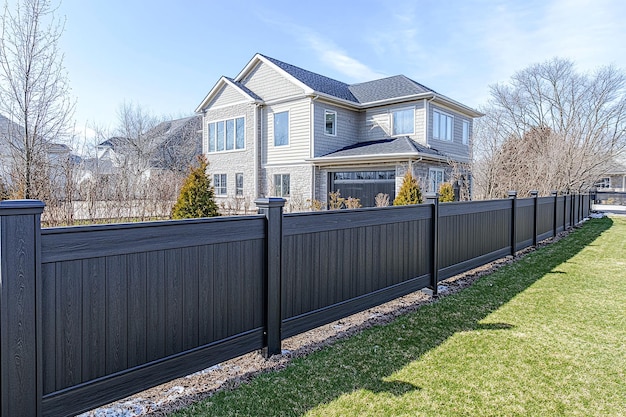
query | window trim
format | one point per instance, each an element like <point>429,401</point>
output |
<point>220,187</point>
<point>274,128</point>
<point>443,113</point>
<point>393,127</point>
<point>327,112</point>
<point>465,132</point>
<point>224,122</point>
<point>276,186</point>
<point>238,189</point>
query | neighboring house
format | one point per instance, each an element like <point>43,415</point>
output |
<point>279,130</point>
<point>615,178</point>
<point>58,157</point>
<point>172,145</point>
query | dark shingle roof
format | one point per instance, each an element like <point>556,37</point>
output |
<point>386,88</point>
<point>401,145</point>
<point>317,82</point>
<point>382,89</point>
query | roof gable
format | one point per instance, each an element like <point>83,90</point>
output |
<point>223,82</point>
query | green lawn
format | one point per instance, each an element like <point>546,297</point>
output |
<point>541,337</point>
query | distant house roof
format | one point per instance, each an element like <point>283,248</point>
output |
<point>385,149</point>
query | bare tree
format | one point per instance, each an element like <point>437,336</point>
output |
<point>550,127</point>
<point>34,92</point>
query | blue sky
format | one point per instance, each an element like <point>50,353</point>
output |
<point>166,55</point>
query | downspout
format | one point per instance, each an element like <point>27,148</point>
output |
<point>426,113</point>
<point>312,144</point>
<point>256,151</point>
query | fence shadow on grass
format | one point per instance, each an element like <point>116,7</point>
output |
<point>365,361</point>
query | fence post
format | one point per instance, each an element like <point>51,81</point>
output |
<point>571,210</point>
<point>534,194</point>
<point>21,388</point>
<point>272,208</point>
<point>433,198</point>
<point>564,212</point>
<point>554,194</point>
<point>513,198</point>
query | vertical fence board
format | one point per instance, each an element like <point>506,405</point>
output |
<point>69,322</point>
<point>155,315</point>
<point>190,297</point>
<point>206,294</point>
<point>137,348</point>
<point>94,318</point>
<point>48,303</point>
<point>117,314</point>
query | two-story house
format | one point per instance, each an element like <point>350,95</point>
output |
<point>280,130</point>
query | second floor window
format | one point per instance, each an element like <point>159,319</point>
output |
<point>227,135</point>
<point>330,122</point>
<point>442,126</point>
<point>465,132</point>
<point>403,122</point>
<point>281,128</point>
<point>219,183</point>
<point>281,185</point>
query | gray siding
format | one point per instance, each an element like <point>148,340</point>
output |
<point>269,84</point>
<point>377,124</point>
<point>455,148</point>
<point>348,128</point>
<point>226,96</point>
<point>299,145</point>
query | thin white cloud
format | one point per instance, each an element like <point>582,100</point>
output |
<point>328,52</point>
<point>338,59</point>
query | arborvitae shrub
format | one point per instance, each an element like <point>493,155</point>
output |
<point>196,195</point>
<point>446,193</point>
<point>410,192</point>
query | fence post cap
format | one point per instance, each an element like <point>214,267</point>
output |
<point>13,207</point>
<point>534,193</point>
<point>269,202</point>
<point>554,193</point>
<point>431,195</point>
<point>512,194</point>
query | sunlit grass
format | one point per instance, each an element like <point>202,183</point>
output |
<point>544,336</point>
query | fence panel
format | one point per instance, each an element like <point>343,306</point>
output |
<point>524,223</point>
<point>128,306</point>
<point>340,262</point>
<point>545,217</point>
<point>472,234</point>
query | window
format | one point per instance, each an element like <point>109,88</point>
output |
<point>281,185</point>
<point>219,183</point>
<point>435,179</point>
<point>330,120</point>
<point>239,184</point>
<point>227,135</point>
<point>403,122</point>
<point>465,132</point>
<point>281,128</point>
<point>442,126</point>
<point>604,183</point>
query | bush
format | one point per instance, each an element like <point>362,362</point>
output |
<point>410,192</point>
<point>446,193</point>
<point>196,195</point>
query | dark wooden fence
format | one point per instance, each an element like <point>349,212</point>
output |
<point>96,313</point>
